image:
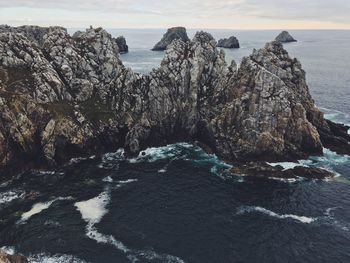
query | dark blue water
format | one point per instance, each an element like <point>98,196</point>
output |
<point>178,204</point>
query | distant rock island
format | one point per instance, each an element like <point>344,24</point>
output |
<point>285,37</point>
<point>122,46</point>
<point>231,42</point>
<point>63,97</point>
<point>171,35</point>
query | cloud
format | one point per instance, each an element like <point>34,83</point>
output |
<point>208,11</point>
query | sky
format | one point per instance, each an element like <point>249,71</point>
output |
<point>220,14</point>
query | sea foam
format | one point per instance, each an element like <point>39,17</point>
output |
<point>258,209</point>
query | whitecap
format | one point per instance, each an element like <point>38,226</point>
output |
<point>57,258</point>
<point>9,196</point>
<point>258,209</point>
<point>287,165</point>
<point>108,179</point>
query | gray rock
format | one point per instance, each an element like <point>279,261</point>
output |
<point>122,46</point>
<point>72,96</point>
<point>171,35</point>
<point>231,42</point>
<point>285,37</point>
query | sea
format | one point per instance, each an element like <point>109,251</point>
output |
<point>179,204</point>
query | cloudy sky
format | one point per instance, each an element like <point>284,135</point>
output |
<point>234,14</point>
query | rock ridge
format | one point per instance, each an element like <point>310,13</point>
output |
<point>63,97</point>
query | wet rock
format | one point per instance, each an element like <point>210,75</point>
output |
<point>231,42</point>
<point>285,37</point>
<point>6,258</point>
<point>171,35</point>
<point>122,46</point>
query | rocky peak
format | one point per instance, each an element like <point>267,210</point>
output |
<point>285,37</point>
<point>170,36</point>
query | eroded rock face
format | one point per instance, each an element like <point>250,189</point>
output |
<point>171,35</point>
<point>72,96</point>
<point>285,37</point>
<point>231,42</point>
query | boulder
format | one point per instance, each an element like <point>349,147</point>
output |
<point>6,258</point>
<point>285,37</point>
<point>231,42</point>
<point>122,46</point>
<point>170,36</point>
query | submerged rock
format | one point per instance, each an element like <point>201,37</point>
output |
<point>122,46</point>
<point>72,96</point>
<point>171,35</point>
<point>231,42</point>
<point>285,37</point>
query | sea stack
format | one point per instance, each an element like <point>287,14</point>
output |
<point>285,37</point>
<point>171,34</point>
<point>231,42</point>
<point>122,46</point>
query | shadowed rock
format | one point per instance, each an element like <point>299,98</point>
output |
<point>231,42</point>
<point>171,35</point>
<point>122,46</point>
<point>72,96</point>
<point>285,37</point>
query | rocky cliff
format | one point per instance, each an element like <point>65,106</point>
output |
<point>63,96</point>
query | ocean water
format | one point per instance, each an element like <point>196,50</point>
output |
<point>178,204</point>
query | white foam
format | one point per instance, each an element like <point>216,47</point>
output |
<point>9,250</point>
<point>80,159</point>
<point>57,258</point>
<point>154,154</point>
<point>108,179</point>
<point>39,207</point>
<point>258,209</point>
<point>93,210</point>
<point>287,165</point>
<point>9,196</point>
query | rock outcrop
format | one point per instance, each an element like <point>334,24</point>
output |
<point>285,37</point>
<point>122,46</point>
<point>6,258</point>
<point>231,42</point>
<point>171,35</point>
<point>72,96</point>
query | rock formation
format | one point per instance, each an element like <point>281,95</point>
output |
<point>231,42</point>
<point>6,258</point>
<point>121,42</point>
<point>72,96</point>
<point>171,35</point>
<point>285,37</point>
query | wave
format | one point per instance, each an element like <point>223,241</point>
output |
<point>9,196</point>
<point>111,160</point>
<point>57,258</point>
<point>39,207</point>
<point>329,161</point>
<point>258,209</point>
<point>92,212</point>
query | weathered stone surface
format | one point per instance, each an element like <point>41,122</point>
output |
<point>6,258</point>
<point>72,96</point>
<point>285,37</point>
<point>231,42</point>
<point>171,35</point>
<point>122,46</point>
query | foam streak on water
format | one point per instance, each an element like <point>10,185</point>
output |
<point>258,209</point>
<point>93,210</point>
